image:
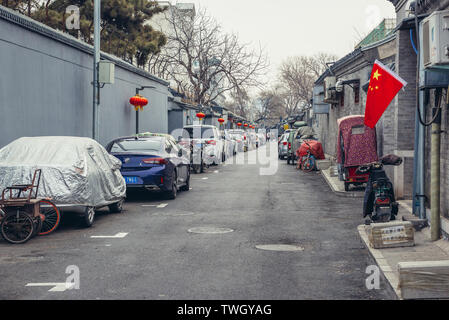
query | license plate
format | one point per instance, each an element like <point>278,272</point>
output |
<point>198,145</point>
<point>131,180</point>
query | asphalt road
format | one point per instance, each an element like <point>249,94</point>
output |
<point>159,258</point>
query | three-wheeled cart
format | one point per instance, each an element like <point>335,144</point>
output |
<point>24,215</point>
<point>356,145</point>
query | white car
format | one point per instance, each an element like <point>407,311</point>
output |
<point>252,140</point>
<point>262,138</point>
<point>241,138</point>
<point>209,136</point>
<point>230,145</point>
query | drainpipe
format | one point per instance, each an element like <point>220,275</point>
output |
<point>419,204</point>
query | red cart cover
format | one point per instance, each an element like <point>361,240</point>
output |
<point>316,149</point>
<point>356,143</point>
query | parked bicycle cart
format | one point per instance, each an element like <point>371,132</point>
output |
<point>308,153</point>
<point>24,215</point>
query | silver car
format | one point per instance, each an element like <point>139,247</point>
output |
<point>283,146</point>
<point>229,146</point>
<point>209,136</point>
<point>241,137</point>
<point>262,138</point>
<point>238,139</point>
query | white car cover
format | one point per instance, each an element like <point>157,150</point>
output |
<point>75,170</point>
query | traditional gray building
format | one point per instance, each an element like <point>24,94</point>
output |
<point>353,72</point>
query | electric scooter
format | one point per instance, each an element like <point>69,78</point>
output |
<point>379,203</point>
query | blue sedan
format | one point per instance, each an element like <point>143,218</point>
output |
<point>152,162</point>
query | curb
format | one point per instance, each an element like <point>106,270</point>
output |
<point>346,194</point>
<point>376,254</point>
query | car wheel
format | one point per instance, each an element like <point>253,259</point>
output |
<point>196,168</point>
<point>171,194</point>
<point>116,207</point>
<point>186,187</point>
<point>88,217</point>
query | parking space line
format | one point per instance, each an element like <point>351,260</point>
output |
<point>117,236</point>
<point>161,205</point>
<point>56,286</point>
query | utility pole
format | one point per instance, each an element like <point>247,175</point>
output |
<point>96,60</point>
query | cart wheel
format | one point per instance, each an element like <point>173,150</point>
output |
<point>308,164</point>
<point>196,168</point>
<point>52,217</point>
<point>202,167</point>
<point>37,225</point>
<point>17,227</point>
<point>89,216</point>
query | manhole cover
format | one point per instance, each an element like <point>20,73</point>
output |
<point>279,247</point>
<point>209,230</point>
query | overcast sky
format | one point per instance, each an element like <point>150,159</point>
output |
<point>298,27</point>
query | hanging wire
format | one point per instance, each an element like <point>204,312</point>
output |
<point>439,94</point>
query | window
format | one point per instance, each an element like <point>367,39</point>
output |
<point>133,145</point>
<point>356,93</point>
<point>194,132</point>
<point>175,148</point>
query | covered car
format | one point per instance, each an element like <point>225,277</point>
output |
<point>301,134</point>
<point>76,172</point>
<point>292,138</point>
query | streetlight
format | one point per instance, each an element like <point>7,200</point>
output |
<point>137,109</point>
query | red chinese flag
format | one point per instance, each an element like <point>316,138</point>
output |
<point>384,85</point>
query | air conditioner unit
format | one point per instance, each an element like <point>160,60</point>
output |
<point>435,39</point>
<point>330,94</point>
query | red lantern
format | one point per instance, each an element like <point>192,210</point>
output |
<point>200,115</point>
<point>239,124</point>
<point>245,125</point>
<point>221,120</point>
<point>138,102</point>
